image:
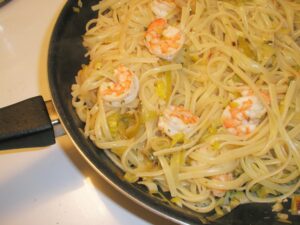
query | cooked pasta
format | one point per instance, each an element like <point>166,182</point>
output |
<point>198,98</point>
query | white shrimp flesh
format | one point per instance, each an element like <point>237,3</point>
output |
<point>162,8</point>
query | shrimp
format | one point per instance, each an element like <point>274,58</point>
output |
<point>161,8</point>
<point>123,91</point>
<point>243,114</point>
<point>176,119</point>
<point>223,177</point>
<point>163,40</point>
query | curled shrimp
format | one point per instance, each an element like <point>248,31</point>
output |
<point>176,119</point>
<point>123,91</point>
<point>161,8</point>
<point>163,40</point>
<point>222,177</point>
<point>243,114</point>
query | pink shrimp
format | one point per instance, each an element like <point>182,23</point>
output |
<point>243,114</point>
<point>176,119</point>
<point>163,40</point>
<point>123,91</point>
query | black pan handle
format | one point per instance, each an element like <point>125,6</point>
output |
<point>26,124</point>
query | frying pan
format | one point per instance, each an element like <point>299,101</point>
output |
<point>32,126</point>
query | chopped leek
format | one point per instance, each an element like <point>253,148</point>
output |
<point>267,51</point>
<point>98,66</point>
<point>263,192</point>
<point>277,207</point>
<point>161,89</point>
<point>216,145</point>
<point>113,121</point>
<point>118,151</point>
<point>194,57</point>
<point>212,130</point>
<point>255,188</point>
<point>240,196</point>
<point>130,177</point>
<point>281,106</point>
<point>244,46</point>
<point>151,185</point>
<point>76,9</point>
<point>234,104</point>
<point>227,197</point>
<point>123,125</point>
<point>177,138</point>
<point>147,165</point>
<point>159,143</point>
<point>163,86</point>
<point>237,79</point>
<point>133,125</point>
<point>234,203</point>
<point>177,201</point>
<point>149,115</point>
<point>220,201</point>
<point>219,211</point>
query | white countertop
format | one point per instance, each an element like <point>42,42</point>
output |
<point>51,185</point>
